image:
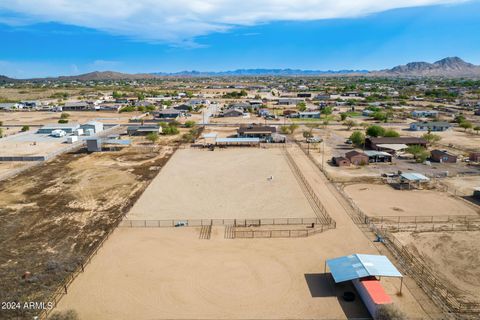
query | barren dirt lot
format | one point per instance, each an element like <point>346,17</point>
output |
<point>229,183</point>
<point>383,200</point>
<point>455,257</point>
<point>53,214</point>
<point>464,185</point>
<point>159,273</point>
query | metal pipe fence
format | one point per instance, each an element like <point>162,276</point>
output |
<point>171,223</point>
<point>322,214</point>
<point>425,277</point>
<point>293,233</point>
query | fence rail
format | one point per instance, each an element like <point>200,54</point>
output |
<point>303,233</point>
<point>217,222</point>
<point>323,215</point>
<point>426,278</point>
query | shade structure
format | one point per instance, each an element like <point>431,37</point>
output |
<point>357,266</point>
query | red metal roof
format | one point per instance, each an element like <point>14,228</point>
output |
<point>376,291</point>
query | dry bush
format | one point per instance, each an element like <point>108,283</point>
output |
<point>389,312</point>
<point>64,315</point>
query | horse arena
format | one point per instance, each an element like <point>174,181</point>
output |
<point>181,252</point>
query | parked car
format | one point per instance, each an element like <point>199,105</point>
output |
<point>314,140</point>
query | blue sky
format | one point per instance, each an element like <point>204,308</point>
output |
<point>38,44</point>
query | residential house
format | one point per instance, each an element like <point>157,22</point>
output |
<point>309,115</point>
<point>442,156</point>
<point>424,114</point>
<point>290,101</point>
<point>143,130</point>
<point>68,128</point>
<point>167,114</point>
<point>474,156</point>
<point>430,126</point>
<point>340,161</point>
<point>92,126</point>
<point>357,158</point>
<point>76,106</point>
<point>232,113</point>
<point>373,143</point>
<point>253,131</point>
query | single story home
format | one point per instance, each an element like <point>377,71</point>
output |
<point>373,143</point>
<point>378,156</point>
<point>474,156</point>
<point>309,115</point>
<point>357,158</point>
<point>253,131</point>
<point>233,113</point>
<point>183,107</point>
<point>340,161</point>
<point>167,114</point>
<point>76,106</point>
<point>68,128</point>
<point>290,101</point>
<point>442,156</point>
<point>430,126</point>
<point>367,113</point>
<point>424,114</point>
<point>143,130</point>
<point>304,95</point>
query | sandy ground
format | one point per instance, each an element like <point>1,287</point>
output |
<point>7,167</point>
<point>383,200</point>
<point>228,183</point>
<point>455,257</point>
<point>464,185</point>
<point>158,273</point>
<point>171,274</point>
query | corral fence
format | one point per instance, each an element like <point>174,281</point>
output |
<point>291,233</point>
<point>426,223</point>
<point>62,288</point>
<point>217,222</point>
<point>426,278</point>
<point>322,212</point>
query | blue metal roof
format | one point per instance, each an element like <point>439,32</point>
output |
<point>414,176</point>
<point>357,266</point>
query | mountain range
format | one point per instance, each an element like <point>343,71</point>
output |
<point>451,67</point>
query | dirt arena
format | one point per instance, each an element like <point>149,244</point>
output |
<point>455,257</point>
<point>158,273</point>
<point>231,183</point>
<point>383,200</point>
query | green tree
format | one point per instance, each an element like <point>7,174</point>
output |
<point>419,153</point>
<point>375,131</point>
<point>25,128</point>
<point>350,124</point>
<point>301,106</point>
<point>190,124</point>
<point>343,116</point>
<point>63,121</point>
<point>391,133</point>
<point>152,137</point>
<point>476,128</point>
<point>358,138</point>
<point>327,110</point>
<point>292,128</point>
<point>64,115</point>
<point>307,134</point>
<point>431,138</point>
<point>1,132</point>
<point>141,108</point>
<point>466,125</point>
<point>284,130</point>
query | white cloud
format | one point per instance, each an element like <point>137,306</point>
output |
<point>180,21</point>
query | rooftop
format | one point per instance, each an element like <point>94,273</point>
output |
<point>358,266</point>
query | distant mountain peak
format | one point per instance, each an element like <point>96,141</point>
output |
<point>447,67</point>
